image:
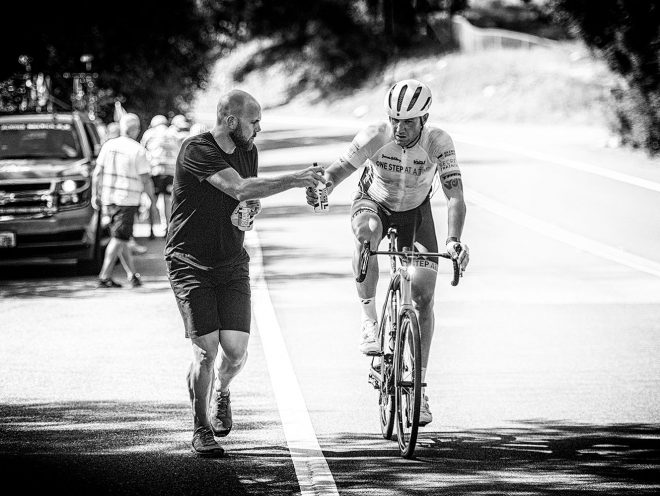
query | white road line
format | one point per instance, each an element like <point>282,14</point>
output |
<point>572,164</point>
<point>552,231</point>
<point>314,476</point>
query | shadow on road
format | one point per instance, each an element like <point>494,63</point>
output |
<point>143,448</point>
<point>65,281</point>
<point>129,448</point>
<point>539,458</point>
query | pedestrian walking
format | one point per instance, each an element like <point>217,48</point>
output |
<point>122,172</point>
<point>162,148</point>
<point>215,199</point>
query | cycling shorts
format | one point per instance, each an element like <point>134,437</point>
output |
<point>415,228</point>
<point>211,300</point>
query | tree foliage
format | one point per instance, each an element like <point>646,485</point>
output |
<point>154,54</point>
<point>626,33</point>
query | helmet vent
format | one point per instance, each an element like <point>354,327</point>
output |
<point>414,98</point>
<point>402,94</point>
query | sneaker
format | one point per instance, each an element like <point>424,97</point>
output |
<point>220,414</point>
<point>369,344</point>
<point>135,281</point>
<point>425,415</point>
<point>203,443</point>
<point>107,283</point>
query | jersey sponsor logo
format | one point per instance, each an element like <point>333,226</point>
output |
<point>447,154</point>
<point>419,162</point>
<point>447,165</point>
<point>396,159</point>
<point>422,263</point>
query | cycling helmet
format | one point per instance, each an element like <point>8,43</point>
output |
<point>158,120</point>
<point>407,99</point>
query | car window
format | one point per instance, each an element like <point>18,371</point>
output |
<point>93,137</point>
<point>55,140</point>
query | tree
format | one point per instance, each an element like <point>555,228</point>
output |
<point>626,33</point>
<point>154,54</point>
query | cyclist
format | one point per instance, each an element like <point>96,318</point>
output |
<point>401,159</point>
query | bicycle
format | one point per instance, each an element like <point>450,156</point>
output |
<point>396,369</point>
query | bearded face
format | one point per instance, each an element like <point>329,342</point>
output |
<point>239,138</point>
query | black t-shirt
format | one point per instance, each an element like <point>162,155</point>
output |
<point>200,231</point>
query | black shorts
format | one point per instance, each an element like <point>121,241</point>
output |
<point>162,184</point>
<point>211,300</point>
<point>121,221</point>
<point>413,226</point>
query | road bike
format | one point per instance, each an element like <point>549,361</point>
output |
<point>396,370</point>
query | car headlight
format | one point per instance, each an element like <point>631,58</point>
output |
<point>69,186</point>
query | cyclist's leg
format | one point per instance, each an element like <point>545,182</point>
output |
<point>423,290</point>
<point>423,287</point>
<point>367,226</point>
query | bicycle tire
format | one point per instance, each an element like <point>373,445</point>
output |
<point>386,401</point>
<point>408,379</point>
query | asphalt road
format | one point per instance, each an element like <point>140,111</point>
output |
<point>544,375</point>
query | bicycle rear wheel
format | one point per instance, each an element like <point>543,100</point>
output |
<point>386,333</point>
<point>408,377</point>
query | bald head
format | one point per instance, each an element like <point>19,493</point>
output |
<point>236,103</point>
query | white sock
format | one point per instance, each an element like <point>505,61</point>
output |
<point>368,308</point>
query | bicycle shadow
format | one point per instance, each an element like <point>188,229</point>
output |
<point>540,457</point>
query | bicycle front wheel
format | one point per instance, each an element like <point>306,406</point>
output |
<point>387,331</point>
<point>408,380</point>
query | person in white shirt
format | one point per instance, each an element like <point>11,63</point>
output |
<point>122,173</point>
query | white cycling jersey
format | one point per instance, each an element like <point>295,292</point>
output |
<point>400,178</point>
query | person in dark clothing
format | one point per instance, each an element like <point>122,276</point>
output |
<point>215,197</point>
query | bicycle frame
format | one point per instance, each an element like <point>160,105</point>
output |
<point>398,331</point>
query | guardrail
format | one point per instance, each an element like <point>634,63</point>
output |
<point>470,38</point>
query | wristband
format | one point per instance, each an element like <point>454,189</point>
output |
<point>452,239</point>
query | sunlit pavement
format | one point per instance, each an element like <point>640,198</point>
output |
<point>544,375</point>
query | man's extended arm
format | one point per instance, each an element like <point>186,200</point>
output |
<point>339,170</point>
<point>230,182</point>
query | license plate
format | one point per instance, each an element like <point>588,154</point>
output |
<point>7,240</point>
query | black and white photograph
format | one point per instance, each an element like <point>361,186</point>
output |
<point>330,247</point>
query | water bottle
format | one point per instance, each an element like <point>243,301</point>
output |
<point>321,204</point>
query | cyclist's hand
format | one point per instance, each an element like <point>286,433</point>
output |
<point>312,197</point>
<point>459,251</point>
<point>96,203</point>
<point>309,177</point>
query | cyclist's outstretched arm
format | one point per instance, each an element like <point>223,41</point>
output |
<point>336,172</point>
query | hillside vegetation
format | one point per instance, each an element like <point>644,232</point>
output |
<point>563,86</point>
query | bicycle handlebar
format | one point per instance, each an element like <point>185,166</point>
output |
<point>366,252</point>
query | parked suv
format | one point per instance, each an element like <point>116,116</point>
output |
<point>46,165</point>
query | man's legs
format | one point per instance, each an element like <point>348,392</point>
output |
<point>229,363</point>
<point>367,226</point>
<point>232,358</point>
<point>113,250</point>
<point>200,374</point>
<point>423,289</point>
